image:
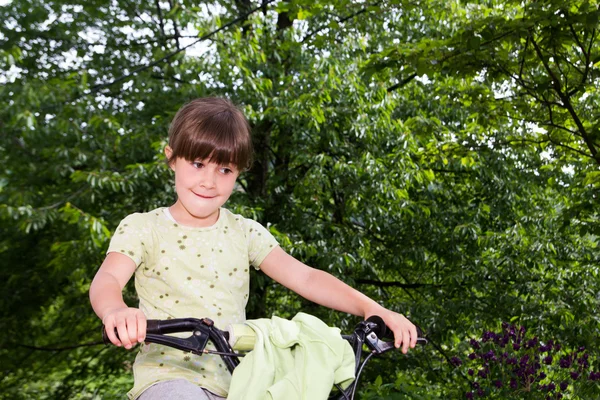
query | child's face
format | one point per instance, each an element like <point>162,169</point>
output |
<point>202,188</point>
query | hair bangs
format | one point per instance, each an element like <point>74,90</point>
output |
<point>218,149</point>
<point>217,132</point>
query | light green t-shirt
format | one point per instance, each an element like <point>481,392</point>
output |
<point>190,272</point>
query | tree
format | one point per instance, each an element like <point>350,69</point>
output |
<point>437,160</point>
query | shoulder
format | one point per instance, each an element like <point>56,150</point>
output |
<point>255,233</point>
<point>239,221</point>
<point>138,220</point>
<point>134,233</point>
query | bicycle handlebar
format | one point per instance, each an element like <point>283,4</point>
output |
<point>369,333</point>
<point>204,330</point>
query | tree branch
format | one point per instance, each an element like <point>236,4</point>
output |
<point>175,27</point>
<point>396,284</point>
<point>402,83</point>
<point>586,55</point>
<point>164,78</point>
<point>137,14</point>
<point>346,18</point>
<point>135,71</point>
<point>38,348</point>
<point>161,23</point>
<point>523,59</point>
<point>567,102</point>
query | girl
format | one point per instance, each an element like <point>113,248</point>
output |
<point>192,259</point>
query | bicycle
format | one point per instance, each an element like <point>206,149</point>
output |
<point>371,333</point>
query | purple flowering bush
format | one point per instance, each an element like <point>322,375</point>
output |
<point>512,365</point>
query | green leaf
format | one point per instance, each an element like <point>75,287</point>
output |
<point>592,178</point>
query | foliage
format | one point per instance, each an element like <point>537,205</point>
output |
<point>442,157</point>
<point>512,364</point>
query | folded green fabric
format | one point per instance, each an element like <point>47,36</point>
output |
<point>297,359</point>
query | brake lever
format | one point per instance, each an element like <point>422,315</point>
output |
<point>194,344</point>
<point>379,346</point>
<point>376,345</point>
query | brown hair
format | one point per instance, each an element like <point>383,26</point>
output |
<point>214,129</point>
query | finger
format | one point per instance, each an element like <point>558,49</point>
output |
<point>405,341</point>
<point>413,336</point>
<point>123,334</point>
<point>141,326</point>
<point>397,337</point>
<point>110,333</point>
<point>132,329</point>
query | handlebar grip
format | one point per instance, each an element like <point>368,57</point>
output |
<point>152,326</point>
<point>383,332</point>
<point>105,338</point>
<point>380,328</point>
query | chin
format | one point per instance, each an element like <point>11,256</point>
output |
<point>204,214</point>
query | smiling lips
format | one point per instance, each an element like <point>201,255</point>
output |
<point>203,196</point>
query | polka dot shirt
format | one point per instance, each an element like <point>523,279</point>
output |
<point>190,272</point>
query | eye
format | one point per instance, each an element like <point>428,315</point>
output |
<point>226,170</point>
<point>197,164</point>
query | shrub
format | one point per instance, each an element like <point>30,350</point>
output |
<point>513,365</point>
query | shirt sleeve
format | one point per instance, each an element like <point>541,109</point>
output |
<point>127,239</point>
<point>260,242</point>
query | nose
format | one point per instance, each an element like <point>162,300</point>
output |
<point>207,178</point>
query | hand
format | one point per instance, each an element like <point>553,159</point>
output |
<point>405,332</point>
<point>130,323</point>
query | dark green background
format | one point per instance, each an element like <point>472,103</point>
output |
<point>440,156</point>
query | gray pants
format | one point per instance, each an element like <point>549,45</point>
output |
<point>178,389</point>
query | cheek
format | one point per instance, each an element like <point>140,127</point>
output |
<point>178,180</point>
<point>229,183</point>
<point>182,180</point>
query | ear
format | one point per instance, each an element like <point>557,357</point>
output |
<point>168,153</point>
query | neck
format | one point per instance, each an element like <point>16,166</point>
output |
<point>184,217</point>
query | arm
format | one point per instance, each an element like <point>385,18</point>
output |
<point>324,289</point>
<point>107,301</point>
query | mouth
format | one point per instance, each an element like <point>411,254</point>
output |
<point>202,196</point>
